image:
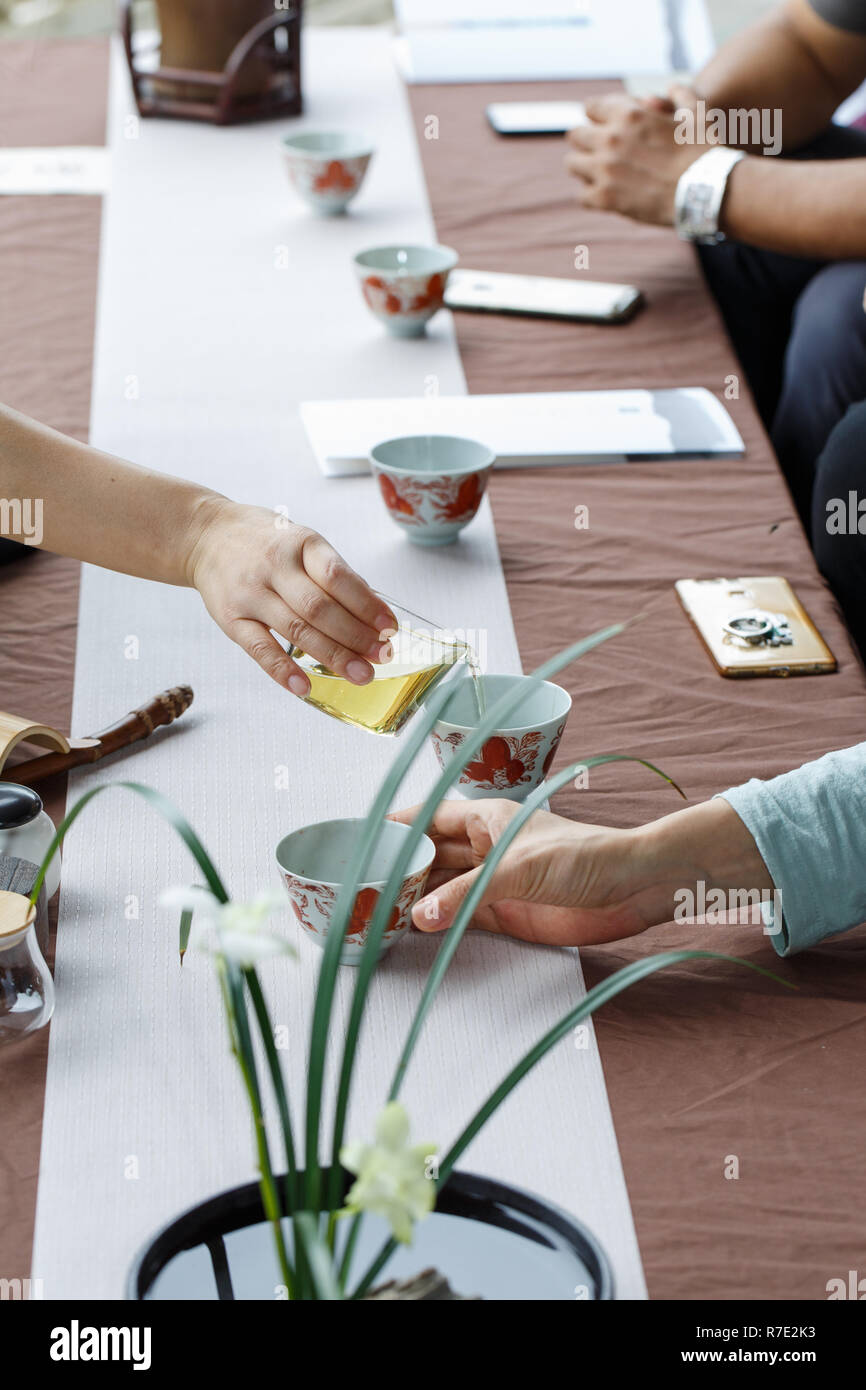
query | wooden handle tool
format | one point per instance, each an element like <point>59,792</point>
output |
<point>140,724</point>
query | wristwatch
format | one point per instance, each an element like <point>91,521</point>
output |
<point>700,194</point>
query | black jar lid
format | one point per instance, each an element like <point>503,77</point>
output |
<point>18,805</point>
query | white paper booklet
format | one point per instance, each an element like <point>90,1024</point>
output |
<point>68,169</point>
<point>538,429</point>
<point>507,40</point>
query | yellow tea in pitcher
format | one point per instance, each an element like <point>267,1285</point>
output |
<point>420,660</point>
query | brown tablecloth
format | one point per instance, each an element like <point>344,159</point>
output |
<point>703,1063</point>
<point>50,94</point>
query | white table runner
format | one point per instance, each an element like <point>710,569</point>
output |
<point>222,304</point>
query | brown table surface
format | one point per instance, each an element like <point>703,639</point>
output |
<point>702,1063</point>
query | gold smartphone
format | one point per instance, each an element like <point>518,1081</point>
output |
<point>755,627</point>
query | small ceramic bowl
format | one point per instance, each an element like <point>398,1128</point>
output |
<point>432,484</point>
<point>517,758</point>
<point>326,167</point>
<point>405,285</point>
<point>313,861</point>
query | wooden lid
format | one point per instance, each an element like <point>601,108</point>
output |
<point>16,913</point>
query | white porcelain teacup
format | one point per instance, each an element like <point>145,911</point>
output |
<point>326,167</point>
<point>404,286</point>
<point>313,862</point>
<point>515,759</point>
<point>432,484</point>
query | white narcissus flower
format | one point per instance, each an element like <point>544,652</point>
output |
<point>392,1176</point>
<point>234,930</point>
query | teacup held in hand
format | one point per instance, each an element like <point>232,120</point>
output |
<point>515,759</point>
<point>313,861</point>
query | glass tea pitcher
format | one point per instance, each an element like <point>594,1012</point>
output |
<point>26,987</point>
<point>422,655</point>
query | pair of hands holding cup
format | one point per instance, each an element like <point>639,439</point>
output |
<point>561,882</point>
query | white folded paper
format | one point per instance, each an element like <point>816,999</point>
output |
<point>507,40</point>
<point>538,429</point>
<point>64,169</point>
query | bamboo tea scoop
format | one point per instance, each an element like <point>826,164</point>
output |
<point>73,752</point>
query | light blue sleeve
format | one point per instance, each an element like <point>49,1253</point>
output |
<point>810,829</point>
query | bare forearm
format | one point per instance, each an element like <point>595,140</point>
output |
<point>257,573</point>
<point>791,61</point>
<point>706,844</point>
<point>94,507</point>
<point>800,208</point>
<point>769,66</point>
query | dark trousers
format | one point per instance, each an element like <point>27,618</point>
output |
<point>799,329</point>
<point>13,550</point>
<point>837,540</point>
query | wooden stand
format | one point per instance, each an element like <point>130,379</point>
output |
<point>260,78</point>
<point>14,730</point>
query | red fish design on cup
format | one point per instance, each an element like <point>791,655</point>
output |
<point>362,915</point>
<point>335,177</point>
<point>464,502</point>
<point>551,752</point>
<point>409,295</point>
<point>318,898</point>
<point>327,183</point>
<point>447,499</point>
<point>432,295</point>
<point>504,761</point>
<point>395,499</point>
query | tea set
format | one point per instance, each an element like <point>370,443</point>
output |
<point>431,487</point>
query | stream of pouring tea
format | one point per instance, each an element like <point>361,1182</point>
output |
<point>474,665</point>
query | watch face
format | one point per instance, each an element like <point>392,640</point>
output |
<point>700,194</point>
<point>698,219</point>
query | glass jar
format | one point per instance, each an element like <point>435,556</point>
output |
<point>26,830</point>
<point>26,986</point>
